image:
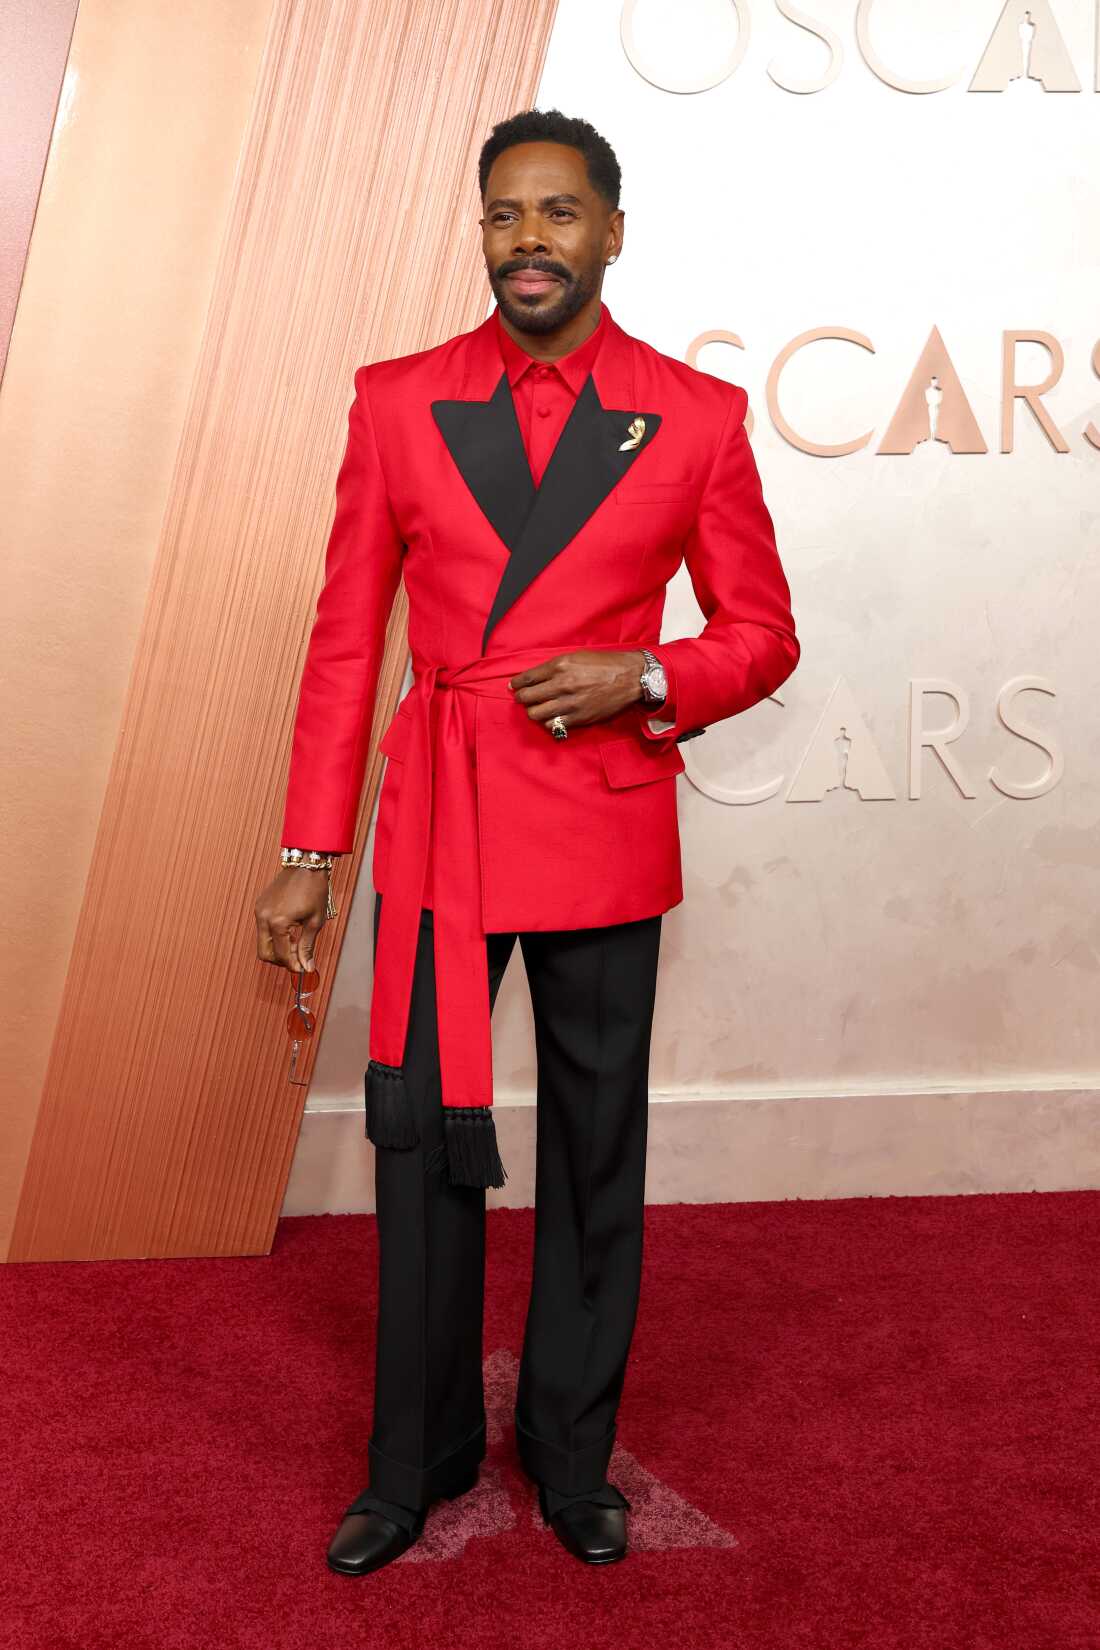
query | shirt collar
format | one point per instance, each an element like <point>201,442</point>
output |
<point>574,367</point>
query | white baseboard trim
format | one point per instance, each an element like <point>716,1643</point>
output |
<point>749,1148</point>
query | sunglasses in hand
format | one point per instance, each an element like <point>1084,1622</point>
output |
<point>301,1020</point>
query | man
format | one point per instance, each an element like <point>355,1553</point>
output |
<point>536,482</point>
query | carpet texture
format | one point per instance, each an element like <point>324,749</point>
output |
<point>857,1423</point>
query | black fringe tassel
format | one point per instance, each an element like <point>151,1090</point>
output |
<point>472,1156</point>
<point>390,1120</point>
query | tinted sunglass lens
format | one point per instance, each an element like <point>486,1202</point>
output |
<point>300,1023</point>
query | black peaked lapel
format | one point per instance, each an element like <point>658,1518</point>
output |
<point>486,443</point>
<point>584,467</point>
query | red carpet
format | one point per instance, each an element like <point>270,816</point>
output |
<point>872,1422</point>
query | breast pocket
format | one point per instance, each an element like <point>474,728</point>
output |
<point>654,492</point>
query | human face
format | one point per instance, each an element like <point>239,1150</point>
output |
<point>546,235</point>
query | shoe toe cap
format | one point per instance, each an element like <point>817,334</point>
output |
<point>596,1534</point>
<point>365,1539</point>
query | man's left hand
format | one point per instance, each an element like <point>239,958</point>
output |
<point>580,687</point>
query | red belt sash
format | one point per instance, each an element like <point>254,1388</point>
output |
<point>439,750</point>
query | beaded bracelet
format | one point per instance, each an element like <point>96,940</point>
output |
<point>309,859</point>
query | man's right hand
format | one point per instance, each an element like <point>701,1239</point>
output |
<point>290,913</point>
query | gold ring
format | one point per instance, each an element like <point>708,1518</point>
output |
<point>558,727</point>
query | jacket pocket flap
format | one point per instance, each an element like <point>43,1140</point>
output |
<point>629,762</point>
<point>394,742</point>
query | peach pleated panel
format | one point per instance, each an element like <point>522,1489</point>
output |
<point>168,1119</point>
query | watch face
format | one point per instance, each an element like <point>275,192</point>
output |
<point>656,681</point>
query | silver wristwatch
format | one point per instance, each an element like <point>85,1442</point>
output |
<point>653,679</point>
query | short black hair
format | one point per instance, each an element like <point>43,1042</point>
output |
<point>551,126</point>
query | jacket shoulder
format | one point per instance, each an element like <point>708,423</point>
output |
<point>708,394</point>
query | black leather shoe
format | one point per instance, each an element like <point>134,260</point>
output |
<point>591,1532</point>
<point>367,1540</point>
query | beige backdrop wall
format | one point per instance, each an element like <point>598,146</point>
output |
<point>866,989</point>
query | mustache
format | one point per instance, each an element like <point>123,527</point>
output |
<point>539,266</point>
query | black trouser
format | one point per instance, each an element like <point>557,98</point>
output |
<point>592,995</point>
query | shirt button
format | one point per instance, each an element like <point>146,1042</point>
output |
<point>543,412</point>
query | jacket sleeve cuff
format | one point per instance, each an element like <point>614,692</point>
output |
<point>669,719</point>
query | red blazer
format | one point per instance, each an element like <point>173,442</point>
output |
<point>483,815</point>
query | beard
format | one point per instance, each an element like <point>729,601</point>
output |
<point>541,313</point>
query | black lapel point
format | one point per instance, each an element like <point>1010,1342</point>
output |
<point>484,439</point>
<point>585,465</point>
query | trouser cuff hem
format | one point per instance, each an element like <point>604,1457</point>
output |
<point>416,1486</point>
<point>571,1472</point>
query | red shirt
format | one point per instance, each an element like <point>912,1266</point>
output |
<point>543,392</point>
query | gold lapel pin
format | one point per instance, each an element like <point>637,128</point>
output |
<point>637,430</point>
